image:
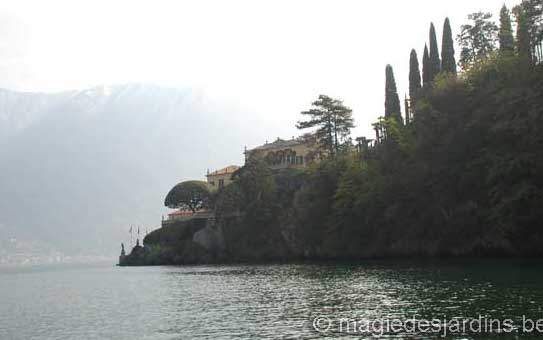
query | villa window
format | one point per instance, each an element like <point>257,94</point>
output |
<point>221,183</point>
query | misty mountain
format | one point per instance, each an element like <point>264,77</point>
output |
<point>78,168</point>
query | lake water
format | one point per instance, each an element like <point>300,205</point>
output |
<point>268,302</point>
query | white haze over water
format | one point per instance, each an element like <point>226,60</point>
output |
<point>268,57</point>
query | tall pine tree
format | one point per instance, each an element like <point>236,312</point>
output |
<point>435,63</point>
<point>426,72</point>
<point>414,75</point>
<point>477,39</point>
<point>392,100</point>
<point>448,61</point>
<point>333,121</point>
<point>505,35</point>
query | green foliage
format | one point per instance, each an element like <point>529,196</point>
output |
<point>477,39</point>
<point>333,121</point>
<point>414,75</point>
<point>505,35</point>
<point>172,234</point>
<point>191,195</point>
<point>465,178</point>
<point>253,209</point>
<point>228,201</point>
<point>426,69</point>
<point>260,192</point>
<point>392,100</point>
<point>171,245</point>
<point>313,203</point>
<point>394,133</point>
<point>286,183</point>
<point>182,252</point>
<point>435,63</point>
<point>530,29</point>
<point>256,188</point>
<point>448,61</point>
<point>524,44</point>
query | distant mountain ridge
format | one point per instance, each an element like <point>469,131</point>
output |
<point>80,167</point>
<point>20,109</point>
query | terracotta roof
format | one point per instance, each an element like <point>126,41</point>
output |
<point>228,170</point>
<point>177,213</point>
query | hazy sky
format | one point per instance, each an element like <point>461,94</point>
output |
<point>271,58</point>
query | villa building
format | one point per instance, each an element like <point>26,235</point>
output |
<point>220,178</point>
<point>296,153</point>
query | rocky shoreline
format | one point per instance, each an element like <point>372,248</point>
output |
<point>206,241</point>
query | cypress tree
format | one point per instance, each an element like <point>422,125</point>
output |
<point>407,110</point>
<point>426,77</point>
<point>435,63</point>
<point>524,46</point>
<point>392,100</point>
<point>448,61</point>
<point>414,74</point>
<point>507,42</point>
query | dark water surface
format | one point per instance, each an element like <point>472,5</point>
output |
<point>266,302</point>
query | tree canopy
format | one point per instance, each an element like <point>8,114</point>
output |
<point>524,45</point>
<point>190,195</point>
<point>435,62</point>
<point>529,14</point>
<point>505,35</point>
<point>464,178</point>
<point>426,69</point>
<point>414,75</point>
<point>477,39</point>
<point>333,122</point>
<point>392,100</point>
<point>448,60</point>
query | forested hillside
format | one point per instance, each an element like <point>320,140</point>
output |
<point>460,173</point>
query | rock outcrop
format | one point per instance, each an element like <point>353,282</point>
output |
<point>206,241</point>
